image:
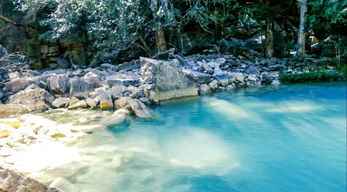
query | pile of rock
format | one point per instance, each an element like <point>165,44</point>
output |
<point>146,81</point>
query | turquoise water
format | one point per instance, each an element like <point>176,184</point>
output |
<point>286,138</point>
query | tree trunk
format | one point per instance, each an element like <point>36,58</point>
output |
<point>301,33</point>
<point>160,39</point>
<point>269,39</point>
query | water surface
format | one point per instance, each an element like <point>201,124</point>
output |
<point>286,138</point>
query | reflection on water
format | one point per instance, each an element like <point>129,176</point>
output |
<point>288,138</point>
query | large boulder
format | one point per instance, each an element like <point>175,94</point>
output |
<point>33,97</point>
<point>168,79</point>
<point>59,84</point>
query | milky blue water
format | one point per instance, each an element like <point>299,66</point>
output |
<point>286,138</point>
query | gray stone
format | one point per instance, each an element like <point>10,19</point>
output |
<point>200,78</point>
<point>223,79</point>
<point>16,85</point>
<point>213,85</point>
<point>239,77</point>
<point>204,89</point>
<point>79,104</point>
<point>207,68</point>
<point>60,102</point>
<point>3,51</point>
<point>91,102</point>
<point>145,100</point>
<point>81,87</point>
<point>59,84</point>
<point>168,79</point>
<point>135,105</point>
<point>57,72</point>
<point>122,79</point>
<point>73,101</point>
<point>251,78</point>
<point>35,98</point>
<point>63,63</point>
<point>121,102</point>
<point>106,101</point>
<point>138,108</point>
<point>182,61</point>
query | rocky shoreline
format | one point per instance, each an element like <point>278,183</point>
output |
<point>131,85</point>
<point>120,90</point>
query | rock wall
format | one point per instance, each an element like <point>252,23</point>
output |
<point>13,181</point>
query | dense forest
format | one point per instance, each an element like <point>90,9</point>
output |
<point>89,33</point>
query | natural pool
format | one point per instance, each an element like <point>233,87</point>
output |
<point>284,138</point>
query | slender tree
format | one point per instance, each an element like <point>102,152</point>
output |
<point>301,33</point>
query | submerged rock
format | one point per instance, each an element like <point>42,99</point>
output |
<point>135,105</point>
<point>168,79</point>
<point>138,108</point>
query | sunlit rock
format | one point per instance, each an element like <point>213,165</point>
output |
<point>59,84</point>
<point>80,104</point>
<point>12,109</point>
<point>91,102</point>
<point>168,79</point>
<point>35,98</point>
<point>138,108</point>
<point>60,102</point>
<point>106,101</point>
<point>73,101</point>
<point>122,102</point>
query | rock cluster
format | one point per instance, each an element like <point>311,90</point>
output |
<point>146,81</point>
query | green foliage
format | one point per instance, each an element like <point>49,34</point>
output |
<point>326,14</point>
<point>322,76</point>
<point>108,25</point>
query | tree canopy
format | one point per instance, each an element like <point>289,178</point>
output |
<point>150,26</point>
